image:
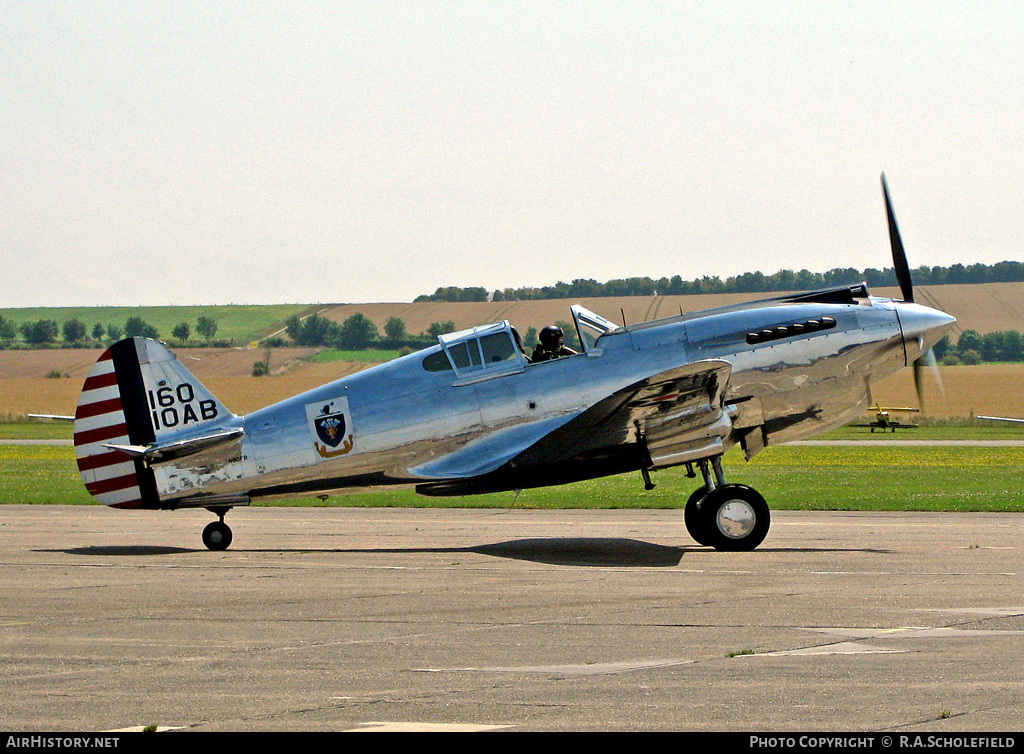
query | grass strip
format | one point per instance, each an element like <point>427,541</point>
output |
<point>882,478</point>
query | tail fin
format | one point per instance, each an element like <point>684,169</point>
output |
<point>137,395</point>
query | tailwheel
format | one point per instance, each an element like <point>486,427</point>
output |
<point>692,518</point>
<point>733,517</point>
<point>217,535</point>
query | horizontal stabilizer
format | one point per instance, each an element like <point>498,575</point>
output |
<point>167,451</point>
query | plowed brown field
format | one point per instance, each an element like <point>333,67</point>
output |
<point>25,388</point>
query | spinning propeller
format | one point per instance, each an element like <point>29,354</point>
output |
<point>902,269</point>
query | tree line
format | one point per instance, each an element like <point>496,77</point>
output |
<point>359,332</point>
<point>974,348</point>
<point>749,282</point>
<point>75,332</point>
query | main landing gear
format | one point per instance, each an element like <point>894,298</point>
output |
<point>217,534</point>
<point>725,516</point>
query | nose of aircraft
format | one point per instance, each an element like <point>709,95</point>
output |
<point>922,327</point>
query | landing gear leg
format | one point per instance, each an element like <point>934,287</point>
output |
<point>217,534</point>
<point>695,523</point>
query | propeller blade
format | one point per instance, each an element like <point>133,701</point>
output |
<point>919,383</point>
<point>926,361</point>
<point>899,256</point>
<point>932,362</point>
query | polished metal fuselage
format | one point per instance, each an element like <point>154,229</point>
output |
<point>403,424</point>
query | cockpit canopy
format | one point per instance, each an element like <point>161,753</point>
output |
<point>590,326</point>
<point>494,350</point>
<point>486,350</point>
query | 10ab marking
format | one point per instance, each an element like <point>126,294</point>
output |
<point>167,413</point>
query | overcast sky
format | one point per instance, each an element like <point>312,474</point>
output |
<point>263,152</point>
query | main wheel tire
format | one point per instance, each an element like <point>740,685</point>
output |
<point>734,517</point>
<point>695,523</point>
<point>217,535</point>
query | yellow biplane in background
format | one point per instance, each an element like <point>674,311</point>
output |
<point>884,421</point>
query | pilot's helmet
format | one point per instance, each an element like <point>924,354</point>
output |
<point>551,335</point>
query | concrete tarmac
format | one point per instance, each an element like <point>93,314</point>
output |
<point>338,619</point>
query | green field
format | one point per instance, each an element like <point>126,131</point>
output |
<point>962,429</point>
<point>790,477</point>
<point>242,324</point>
<point>43,429</point>
<point>369,356</point>
<point>16,428</point>
<point>40,474</point>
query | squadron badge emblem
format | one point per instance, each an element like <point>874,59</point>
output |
<point>329,423</point>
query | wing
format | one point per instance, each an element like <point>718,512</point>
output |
<point>489,452</point>
<point>1002,419</point>
<point>678,415</point>
<point>673,416</point>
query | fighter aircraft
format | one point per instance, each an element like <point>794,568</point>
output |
<point>884,420</point>
<point>472,414</point>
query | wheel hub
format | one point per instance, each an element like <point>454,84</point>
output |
<point>736,519</point>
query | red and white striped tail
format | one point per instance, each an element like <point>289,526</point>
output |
<point>112,477</point>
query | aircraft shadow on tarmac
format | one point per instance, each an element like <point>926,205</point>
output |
<point>576,551</point>
<point>620,553</point>
<point>134,550</point>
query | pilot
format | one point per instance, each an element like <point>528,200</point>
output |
<point>551,346</point>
